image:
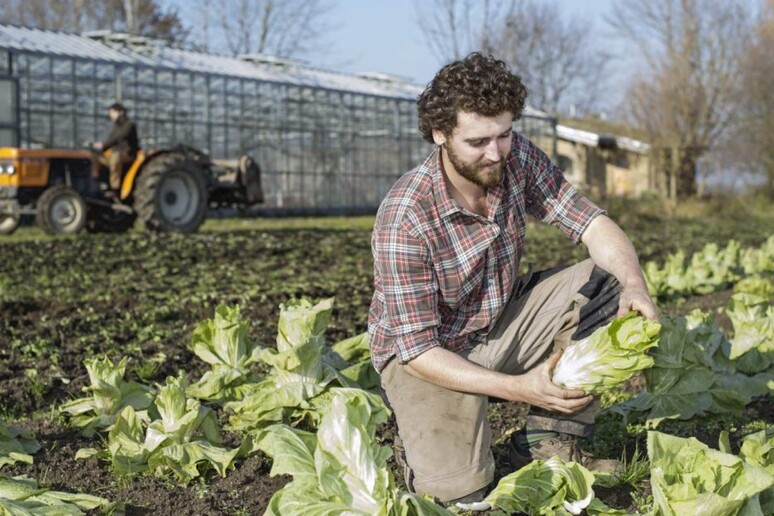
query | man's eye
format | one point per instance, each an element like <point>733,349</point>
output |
<point>479,143</point>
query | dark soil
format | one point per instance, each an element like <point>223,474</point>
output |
<point>138,295</point>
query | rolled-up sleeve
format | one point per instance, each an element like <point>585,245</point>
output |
<point>551,199</point>
<point>409,319</point>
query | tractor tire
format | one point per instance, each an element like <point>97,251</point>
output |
<point>61,211</point>
<point>171,195</point>
<point>107,220</point>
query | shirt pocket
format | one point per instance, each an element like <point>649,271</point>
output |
<point>458,278</point>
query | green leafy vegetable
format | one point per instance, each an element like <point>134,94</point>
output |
<point>23,496</point>
<point>709,270</point>
<point>341,469</point>
<point>688,477</point>
<point>760,260</point>
<point>16,445</point>
<point>222,342</point>
<point>110,395</point>
<point>184,437</point>
<point>552,486</point>
<point>304,369</point>
<point>691,375</point>
<point>609,356</point>
<point>758,450</point>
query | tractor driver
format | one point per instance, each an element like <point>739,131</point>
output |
<point>123,142</point>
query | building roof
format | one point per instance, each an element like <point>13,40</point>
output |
<point>126,49</point>
<point>56,43</point>
<point>122,48</point>
<point>593,139</point>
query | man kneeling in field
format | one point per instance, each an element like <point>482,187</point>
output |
<point>452,323</point>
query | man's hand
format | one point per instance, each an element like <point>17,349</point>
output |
<point>634,296</point>
<point>612,250</point>
<point>97,145</point>
<point>451,371</point>
<point>536,388</point>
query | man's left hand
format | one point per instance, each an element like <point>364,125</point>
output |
<point>634,296</point>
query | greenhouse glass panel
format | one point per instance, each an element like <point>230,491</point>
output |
<point>84,69</point>
<point>7,102</point>
<point>62,67</point>
<point>40,66</point>
<point>40,129</point>
<point>7,138</point>
<point>200,103</point>
<point>105,71</point>
<point>5,62</point>
<point>63,134</point>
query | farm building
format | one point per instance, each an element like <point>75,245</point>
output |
<point>327,142</point>
<point>603,164</point>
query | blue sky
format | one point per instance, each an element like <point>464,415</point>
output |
<point>383,36</point>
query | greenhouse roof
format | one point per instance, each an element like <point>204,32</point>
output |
<point>127,49</point>
<point>13,37</point>
<point>133,50</point>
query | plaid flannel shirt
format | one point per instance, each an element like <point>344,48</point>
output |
<point>443,274</point>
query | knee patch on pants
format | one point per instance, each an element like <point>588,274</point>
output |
<point>603,292</point>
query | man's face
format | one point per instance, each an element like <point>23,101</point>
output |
<point>114,114</point>
<point>478,147</point>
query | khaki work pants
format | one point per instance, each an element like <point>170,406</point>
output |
<point>115,163</point>
<point>445,433</point>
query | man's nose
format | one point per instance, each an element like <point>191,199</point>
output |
<point>492,152</point>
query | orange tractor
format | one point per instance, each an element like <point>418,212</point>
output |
<point>168,189</point>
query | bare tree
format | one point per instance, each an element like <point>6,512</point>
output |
<point>553,55</point>
<point>73,15</point>
<point>752,143</point>
<point>684,98</point>
<point>144,17</point>
<point>454,28</point>
<point>283,28</point>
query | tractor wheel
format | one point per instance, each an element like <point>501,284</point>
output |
<point>171,195</point>
<point>107,220</point>
<point>61,211</point>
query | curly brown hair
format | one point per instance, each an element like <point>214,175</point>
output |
<point>476,84</point>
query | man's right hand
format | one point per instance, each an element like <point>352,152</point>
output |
<point>451,371</point>
<point>536,388</point>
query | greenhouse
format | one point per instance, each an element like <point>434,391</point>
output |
<point>327,142</point>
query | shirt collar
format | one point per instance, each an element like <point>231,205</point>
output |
<point>446,205</point>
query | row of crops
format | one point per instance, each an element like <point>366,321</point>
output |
<point>313,409</point>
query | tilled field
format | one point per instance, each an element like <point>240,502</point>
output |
<point>139,296</point>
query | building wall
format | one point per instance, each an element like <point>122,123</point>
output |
<point>603,172</point>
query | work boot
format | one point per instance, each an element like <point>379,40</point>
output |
<point>566,448</point>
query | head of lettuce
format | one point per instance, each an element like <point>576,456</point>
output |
<point>609,356</point>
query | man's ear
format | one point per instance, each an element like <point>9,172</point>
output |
<point>438,137</point>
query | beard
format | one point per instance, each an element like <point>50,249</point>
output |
<point>485,175</point>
